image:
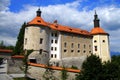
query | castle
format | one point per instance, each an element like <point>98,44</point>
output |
<point>55,42</point>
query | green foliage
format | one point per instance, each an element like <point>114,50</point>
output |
<point>25,60</point>
<point>64,74</point>
<point>3,46</point>
<point>20,41</point>
<point>91,69</point>
<point>74,67</point>
<point>94,69</point>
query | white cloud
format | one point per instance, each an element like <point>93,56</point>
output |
<point>4,5</point>
<point>66,14</point>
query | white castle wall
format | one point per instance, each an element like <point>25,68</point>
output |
<point>102,43</point>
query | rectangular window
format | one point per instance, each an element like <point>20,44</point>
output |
<point>52,34</point>
<point>51,55</point>
<point>55,56</point>
<point>55,48</point>
<point>56,41</point>
<point>51,41</point>
<point>33,60</point>
<point>72,45</point>
<point>78,45</point>
<point>65,44</point>
<point>51,48</point>
<point>25,41</point>
<point>95,48</point>
<point>84,46</point>
<point>55,34</point>
<point>41,40</point>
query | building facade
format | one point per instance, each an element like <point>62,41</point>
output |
<point>54,42</point>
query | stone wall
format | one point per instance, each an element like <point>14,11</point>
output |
<point>39,73</point>
<point>14,66</point>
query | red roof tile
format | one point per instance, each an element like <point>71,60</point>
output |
<point>6,51</point>
<point>98,30</point>
<point>18,56</point>
<point>39,21</point>
<point>55,67</point>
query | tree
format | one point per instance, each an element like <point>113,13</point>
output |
<point>91,69</point>
<point>20,41</point>
<point>64,74</point>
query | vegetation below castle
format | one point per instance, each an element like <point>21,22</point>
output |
<point>3,46</point>
<point>94,69</point>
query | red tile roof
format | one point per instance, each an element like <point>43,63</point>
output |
<point>98,30</point>
<point>18,56</point>
<point>6,51</point>
<point>54,67</point>
<point>39,21</point>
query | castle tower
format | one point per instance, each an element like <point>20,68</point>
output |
<point>37,38</point>
<point>100,41</point>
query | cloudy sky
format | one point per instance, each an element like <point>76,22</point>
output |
<point>75,13</point>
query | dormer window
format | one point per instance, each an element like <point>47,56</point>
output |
<point>38,21</point>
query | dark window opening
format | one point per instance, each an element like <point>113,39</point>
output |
<point>52,34</point>
<point>78,45</point>
<point>103,40</point>
<point>41,40</point>
<point>95,48</point>
<point>65,44</point>
<point>72,50</point>
<point>78,51</point>
<point>33,60</point>
<point>51,55</point>
<point>55,55</point>
<point>55,41</point>
<point>55,34</point>
<point>51,41</point>
<point>84,46</point>
<point>51,48</point>
<point>38,21</point>
<point>84,51</point>
<point>72,45</point>
<point>65,50</point>
<point>95,41</point>
<point>55,48</point>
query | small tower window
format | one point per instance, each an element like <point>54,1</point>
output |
<point>41,40</point>
<point>65,44</point>
<point>103,41</point>
<point>95,41</point>
<point>95,48</point>
<point>38,21</point>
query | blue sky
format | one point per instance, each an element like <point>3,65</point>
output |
<point>74,13</point>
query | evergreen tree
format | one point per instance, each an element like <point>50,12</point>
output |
<point>91,69</point>
<point>20,41</point>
